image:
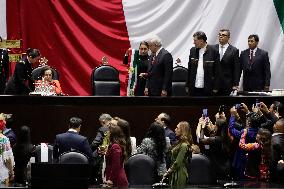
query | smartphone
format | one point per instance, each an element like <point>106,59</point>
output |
<point>221,109</point>
<point>205,113</point>
<point>238,106</point>
<point>257,103</point>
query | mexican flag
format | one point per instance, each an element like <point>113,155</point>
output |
<point>74,35</point>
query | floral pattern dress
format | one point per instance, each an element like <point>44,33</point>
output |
<point>5,154</point>
<point>147,147</point>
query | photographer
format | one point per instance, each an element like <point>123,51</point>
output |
<point>218,143</point>
<point>252,125</point>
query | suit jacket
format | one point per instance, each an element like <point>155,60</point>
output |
<point>71,141</point>
<point>172,136</point>
<point>4,69</point>
<point>21,82</point>
<point>160,74</point>
<point>257,74</point>
<point>277,149</point>
<point>229,70</point>
<point>211,66</point>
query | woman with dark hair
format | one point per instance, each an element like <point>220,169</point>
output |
<point>124,125</point>
<point>115,158</point>
<point>21,83</point>
<point>139,68</point>
<point>154,145</point>
<point>218,144</point>
<point>23,151</point>
<point>180,154</point>
<point>47,82</point>
<point>258,163</point>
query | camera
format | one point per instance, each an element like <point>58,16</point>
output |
<point>238,106</point>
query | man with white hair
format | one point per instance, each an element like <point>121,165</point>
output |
<point>160,70</point>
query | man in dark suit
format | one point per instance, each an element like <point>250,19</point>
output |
<point>71,140</point>
<point>4,68</point>
<point>160,70</point>
<point>164,119</point>
<point>277,150</point>
<point>256,66</point>
<point>203,67</point>
<point>229,64</point>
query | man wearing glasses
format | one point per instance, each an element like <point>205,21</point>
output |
<point>229,64</point>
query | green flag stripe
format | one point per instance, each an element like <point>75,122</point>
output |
<point>279,5</point>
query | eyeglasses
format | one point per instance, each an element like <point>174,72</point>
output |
<point>223,35</point>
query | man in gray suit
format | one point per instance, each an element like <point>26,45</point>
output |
<point>256,66</point>
<point>229,64</point>
<point>160,70</point>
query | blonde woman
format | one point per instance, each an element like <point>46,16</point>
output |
<point>6,156</point>
<point>180,154</point>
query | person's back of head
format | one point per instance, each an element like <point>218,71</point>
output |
<point>105,119</point>
<point>124,126</point>
<point>166,119</point>
<point>278,107</point>
<point>75,123</point>
<point>254,120</point>
<point>279,126</point>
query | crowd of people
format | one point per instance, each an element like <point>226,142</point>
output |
<point>247,144</point>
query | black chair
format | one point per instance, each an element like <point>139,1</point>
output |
<point>73,158</point>
<point>199,170</point>
<point>105,81</point>
<point>38,153</point>
<point>140,170</point>
<point>46,175</point>
<point>178,81</point>
<point>36,73</point>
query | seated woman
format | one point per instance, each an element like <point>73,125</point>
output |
<point>47,84</point>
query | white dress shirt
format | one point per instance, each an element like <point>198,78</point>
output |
<point>199,80</point>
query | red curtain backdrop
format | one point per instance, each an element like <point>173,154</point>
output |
<point>73,35</point>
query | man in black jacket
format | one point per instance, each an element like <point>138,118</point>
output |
<point>4,68</point>
<point>160,70</point>
<point>203,67</point>
<point>256,66</point>
<point>229,64</point>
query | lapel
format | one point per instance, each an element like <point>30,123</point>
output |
<point>227,51</point>
<point>158,58</point>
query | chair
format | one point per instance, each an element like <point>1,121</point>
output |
<point>140,170</point>
<point>36,73</point>
<point>73,158</point>
<point>178,81</point>
<point>47,175</point>
<point>105,81</point>
<point>38,153</point>
<point>199,170</point>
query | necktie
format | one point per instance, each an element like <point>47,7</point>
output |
<point>154,59</point>
<point>222,52</point>
<point>251,56</point>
